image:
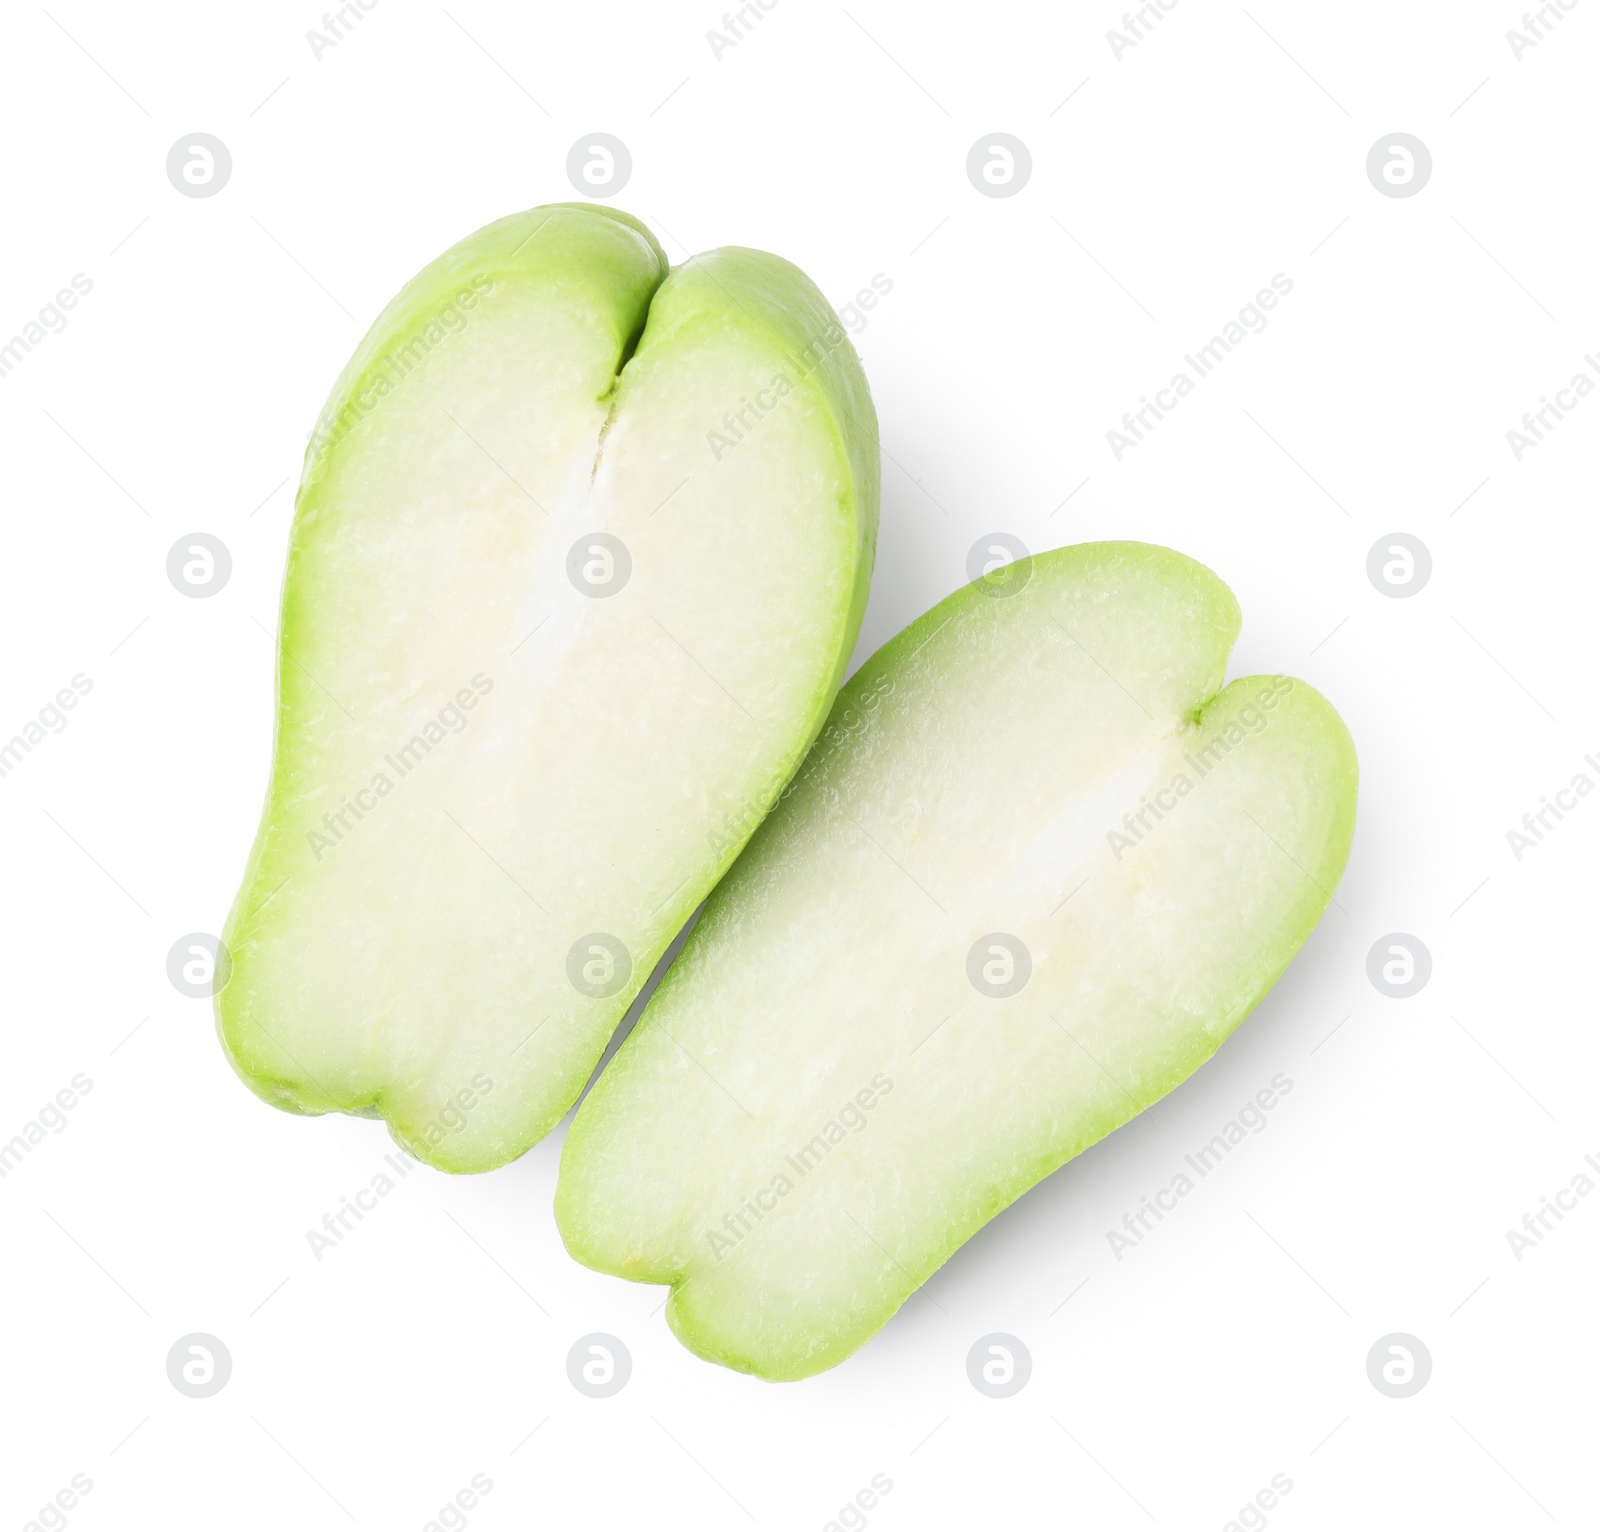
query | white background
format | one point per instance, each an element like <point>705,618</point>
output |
<point>1168,186</point>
